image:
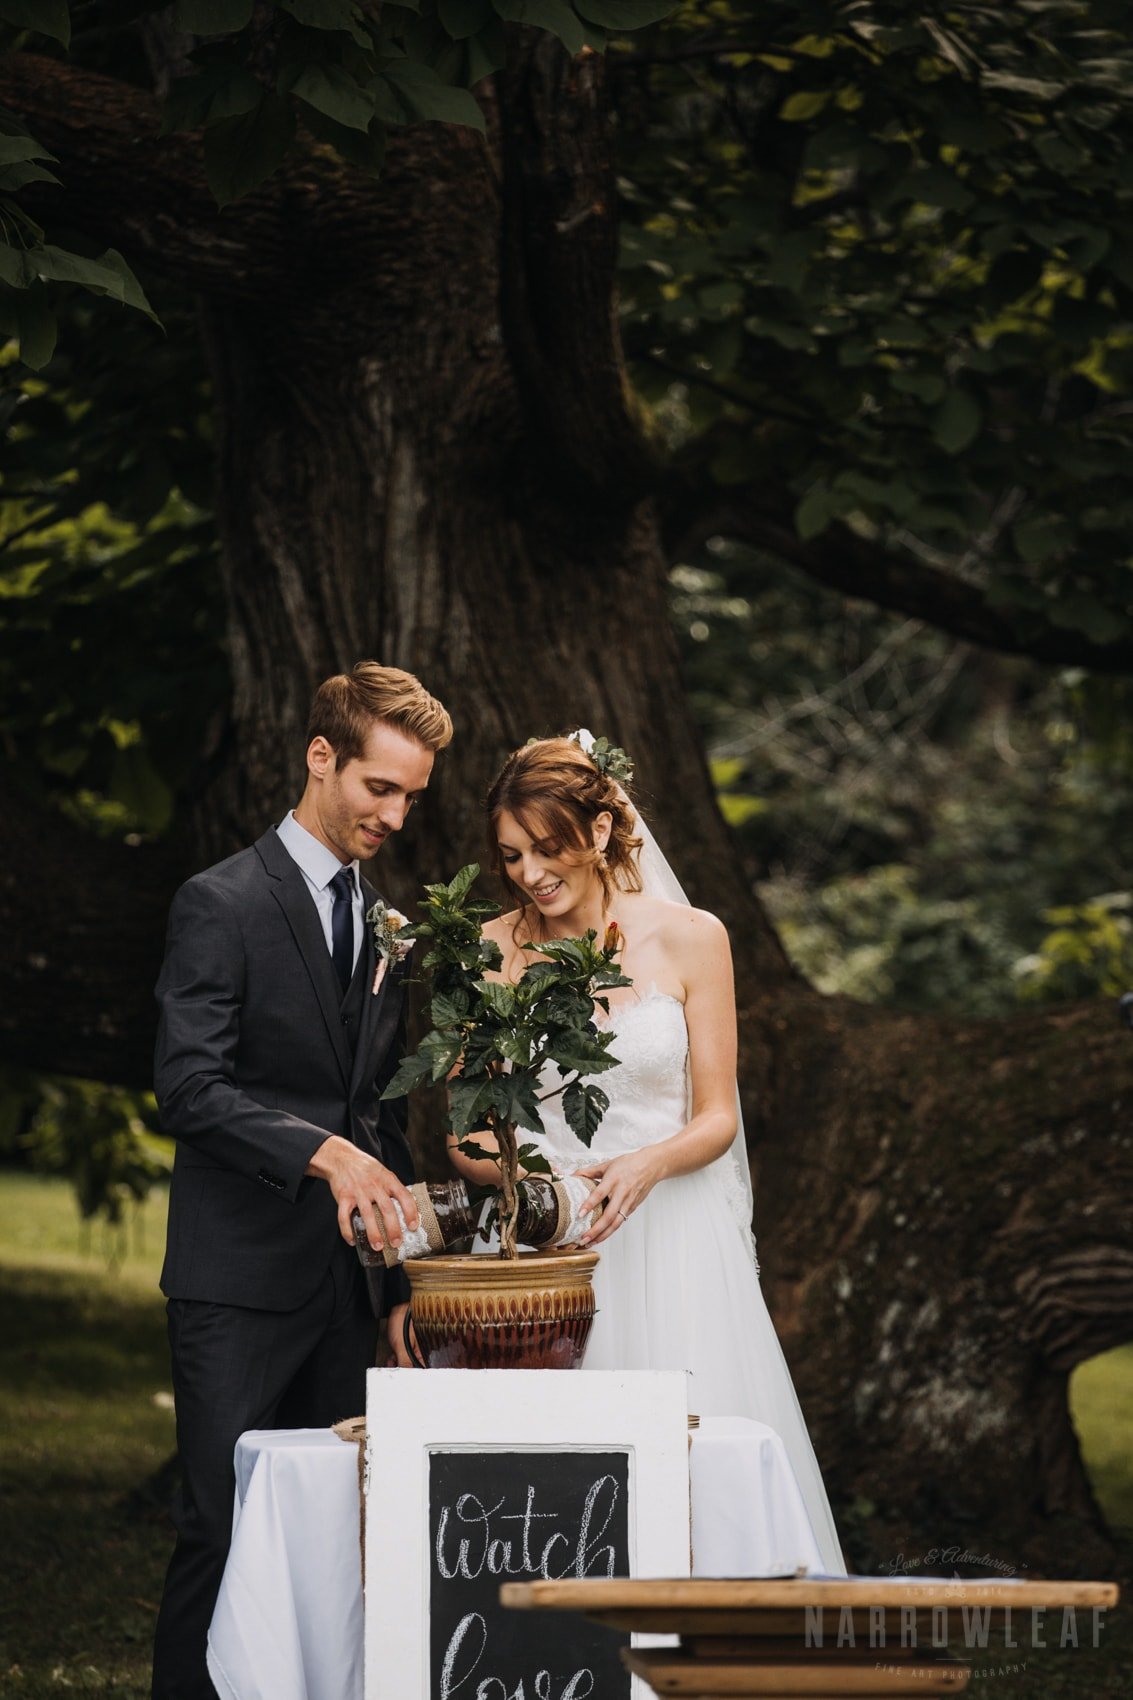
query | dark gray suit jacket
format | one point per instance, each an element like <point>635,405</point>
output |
<point>253,1070</point>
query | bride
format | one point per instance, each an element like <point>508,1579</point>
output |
<point>677,1284</point>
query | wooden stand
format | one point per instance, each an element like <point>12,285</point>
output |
<point>854,1638</point>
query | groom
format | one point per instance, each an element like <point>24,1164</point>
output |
<point>279,1029</point>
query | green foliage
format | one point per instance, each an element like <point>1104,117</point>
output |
<point>909,809</point>
<point>502,1035</point>
<point>879,260</point>
<point>104,1139</point>
<point>332,70</point>
<point>1089,949</point>
<point>110,657</point>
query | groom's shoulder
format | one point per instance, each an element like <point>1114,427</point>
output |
<point>237,875</point>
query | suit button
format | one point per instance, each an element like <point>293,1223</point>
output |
<point>346,1021</point>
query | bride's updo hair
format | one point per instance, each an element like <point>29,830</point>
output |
<point>555,792</point>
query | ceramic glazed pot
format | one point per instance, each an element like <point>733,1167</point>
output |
<point>484,1312</point>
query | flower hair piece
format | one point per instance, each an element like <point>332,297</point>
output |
<point>610,759</point>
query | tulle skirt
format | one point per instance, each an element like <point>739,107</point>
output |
<point>676,1288</point>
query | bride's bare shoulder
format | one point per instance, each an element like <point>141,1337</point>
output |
<point>674,921</point>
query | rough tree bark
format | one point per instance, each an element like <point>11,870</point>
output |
<point>427,452</point>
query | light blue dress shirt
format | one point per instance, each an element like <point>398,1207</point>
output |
<point>318,866</point>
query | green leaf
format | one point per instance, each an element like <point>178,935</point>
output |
<point>1040,536</point>
<point>814,513</point>
<point>332,91</point>
<point>957,421</point>
<point>411,1072</point>
<point>212,17</point>
<point>136,783</point>
<point>450,1010</point>
<point>584,1106</point>
<point>219,91</point>
<point>338,16</point>
<point>471,1149</point>
<point>46,17</point>
<point>485,53</point>
<point>516,1100</point>
<point>804,104</point>
<point>461,884</point>
<point>1082,613</point>
<point>575,1054</point>
<point>469,1102</point>
<point>515,1047</point>
<point>499,997</point>
<point>130,291</point>
<point>108,275</point>
<point>532,1159</point>
<point>462,18</point>
<point>16,267</point>
<point>366,150</point>
<point>241,153</point>
<point>15,149</point>
<point>624,15</point>
<point>423,95</point>
<point>15,177</point>
<point>443,1051</point>
<point>37,329</point>
<point>554,16</point>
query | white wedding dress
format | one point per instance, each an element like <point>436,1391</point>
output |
<point>676,1285</point>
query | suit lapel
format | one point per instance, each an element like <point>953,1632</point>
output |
<point>290,892</point>
<point>380,1010</point>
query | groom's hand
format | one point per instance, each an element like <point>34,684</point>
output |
<point>359,1182</point>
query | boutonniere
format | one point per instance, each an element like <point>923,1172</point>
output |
<point>386,925</point>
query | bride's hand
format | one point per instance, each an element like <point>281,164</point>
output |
<point>621,1184</point>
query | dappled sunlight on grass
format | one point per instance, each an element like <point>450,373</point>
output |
<point>1101,1404</point>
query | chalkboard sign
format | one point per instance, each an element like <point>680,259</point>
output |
<point>474,1478</point>
<point>502,1516</point>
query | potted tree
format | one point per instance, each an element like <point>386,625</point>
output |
<point>494,1043</point>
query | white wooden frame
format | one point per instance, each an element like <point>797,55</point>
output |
<point>411,1414</point>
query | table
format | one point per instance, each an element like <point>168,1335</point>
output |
<point>810,1637</point>
<point>288,1622</point>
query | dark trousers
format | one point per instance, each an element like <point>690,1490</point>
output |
<point>236,1369</point>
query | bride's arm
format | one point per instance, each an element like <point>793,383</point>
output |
<point>702,958</point>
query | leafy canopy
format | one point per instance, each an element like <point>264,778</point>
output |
<point>886,256</point>
<point>259,79</point>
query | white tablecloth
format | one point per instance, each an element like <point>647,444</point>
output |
<point>288,1622</point>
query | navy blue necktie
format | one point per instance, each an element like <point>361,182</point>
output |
<point>342,925</point>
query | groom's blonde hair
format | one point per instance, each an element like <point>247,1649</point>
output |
<point>347,705</point>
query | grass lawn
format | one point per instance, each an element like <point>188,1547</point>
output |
<point>86,1415</point>
<point>85,1412</point>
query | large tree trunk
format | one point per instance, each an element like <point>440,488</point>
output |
<point>426,455</point>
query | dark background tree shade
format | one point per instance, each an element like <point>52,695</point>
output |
<point>870,350</point>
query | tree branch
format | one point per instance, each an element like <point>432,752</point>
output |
<point>857,567</point>
<point>352,277</point>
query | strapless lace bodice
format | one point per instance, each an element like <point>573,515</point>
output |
<point>648,1091</point>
